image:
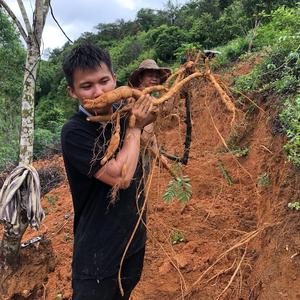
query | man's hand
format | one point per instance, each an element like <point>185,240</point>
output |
<point>142,110</point>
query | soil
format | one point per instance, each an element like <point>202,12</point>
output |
<point>235,239</point>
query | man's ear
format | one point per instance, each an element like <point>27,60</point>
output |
<point>71,93</point>
<point>115,78</point>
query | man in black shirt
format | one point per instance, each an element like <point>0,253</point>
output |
<point>102,229</point>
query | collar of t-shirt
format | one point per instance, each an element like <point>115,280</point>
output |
<point>83,110</point>
<point>115,106</point>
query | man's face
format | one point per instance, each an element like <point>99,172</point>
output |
<point>92,83</point>
<point>149,78</point>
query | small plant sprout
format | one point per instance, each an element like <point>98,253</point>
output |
<point>225,172</point>
<point>177,237</point>
<point>179,187</point>
<point>263,179</point>
<point>51,199</point>
<point>240,152</point>
<point>294,205</point>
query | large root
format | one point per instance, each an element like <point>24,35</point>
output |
<point>186,73</point>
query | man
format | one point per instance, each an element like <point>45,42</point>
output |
<point>149,74</point>
<point>102,229</point>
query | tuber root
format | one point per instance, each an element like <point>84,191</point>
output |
<point>114,142</point>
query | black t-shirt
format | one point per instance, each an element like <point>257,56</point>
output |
<point>101,229</point>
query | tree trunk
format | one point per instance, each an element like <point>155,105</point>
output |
<point>12,236</point>
<point>10,245</point>
<point>27,127</point>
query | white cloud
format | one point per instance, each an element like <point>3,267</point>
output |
<point>129,4</point>
<point>77,16</point>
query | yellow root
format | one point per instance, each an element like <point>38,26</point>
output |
<point>156,88</point>
<point>111,97</point>
<point>225,98</point>
<point>132,95</point>
<point>113,144</point>
<point>116,95</point>
<point>175,89</point>
<point>181,71</point>
<point>100,118</point>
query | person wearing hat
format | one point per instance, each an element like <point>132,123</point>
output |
<point>148,74</point>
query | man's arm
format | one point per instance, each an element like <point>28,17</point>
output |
<point>120,170</point>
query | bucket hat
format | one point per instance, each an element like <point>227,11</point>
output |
<point>148,64</point>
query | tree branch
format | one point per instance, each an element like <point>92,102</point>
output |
<point>45,11</point>
<point>38,21</point>
<point>15,19</point>
<point>25,17</point>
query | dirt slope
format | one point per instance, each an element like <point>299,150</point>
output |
<point>240,241</point>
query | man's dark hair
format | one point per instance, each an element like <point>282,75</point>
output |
<point>84,57</point>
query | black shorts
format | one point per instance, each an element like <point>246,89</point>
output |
<point>108,288</point>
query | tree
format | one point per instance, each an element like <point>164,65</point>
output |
<point>20,195</point>
<point>12,58</point>
<point>146,18</point>
<point>171,10</point>
<point>168,40</point>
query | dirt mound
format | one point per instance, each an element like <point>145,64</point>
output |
<point>236,238</point>
<point>28,282</point>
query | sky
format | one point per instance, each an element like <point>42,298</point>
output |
<point>78,16</point>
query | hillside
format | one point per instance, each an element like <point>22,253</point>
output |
<point>235,239</point>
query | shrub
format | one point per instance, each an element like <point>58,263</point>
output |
<point>45,143</point>
<point>232,51</point>
<point>279,71</point>
<point>290,119</point>
<point>168,40</point>
<point>9,152</point>
<point>283,22</point>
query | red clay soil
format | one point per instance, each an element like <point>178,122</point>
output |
<point>238,239</point>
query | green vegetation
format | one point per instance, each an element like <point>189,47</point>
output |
<point>237,28</point>
<point>294,205</point>
<point>179,188</point>
<point>224,172</point>
<point>240,152</point>
<point>51,199</point>
<point>290,118</point>
<point>177,237</point>
<point>263,179</point>
<point>12,56</point>
<point>279,72</point>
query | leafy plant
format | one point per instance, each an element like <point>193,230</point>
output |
<point>263,179</point>
<point>240,152</point>
<point>294,205</point>
<point>179,187</point>
<point>232,51</point>
<point>225,172</point>
<point>177,237</point>
<point>51,199</point>
<point>290,119</point>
